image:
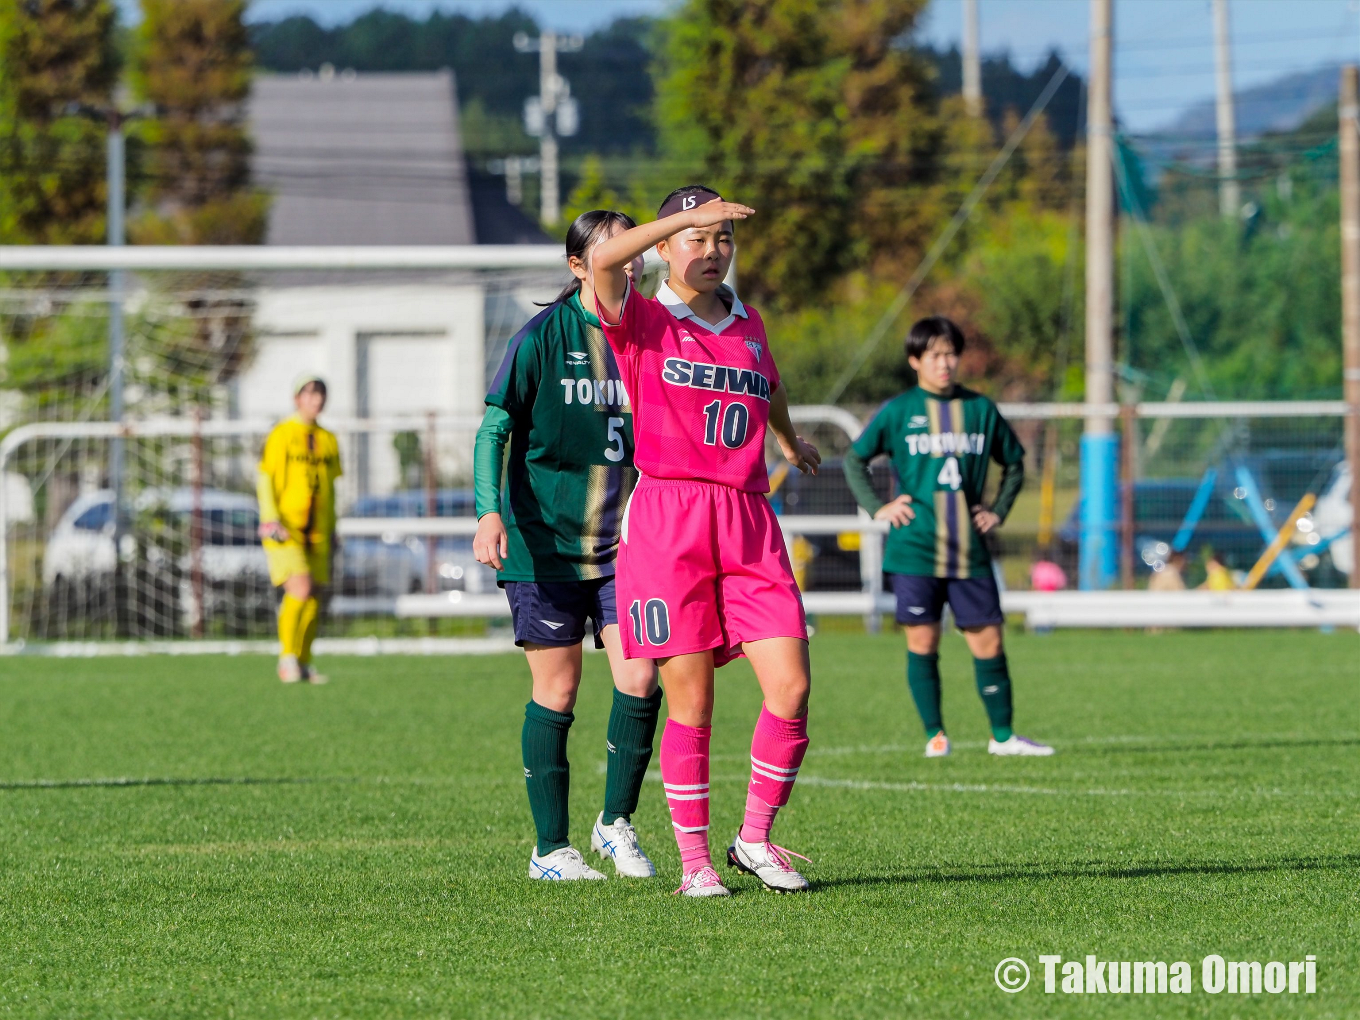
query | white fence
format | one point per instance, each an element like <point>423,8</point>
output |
<point>184,593</point>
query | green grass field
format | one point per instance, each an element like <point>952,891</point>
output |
<point>187,838</point>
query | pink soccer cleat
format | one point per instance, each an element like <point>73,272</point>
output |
<point>704,882</point>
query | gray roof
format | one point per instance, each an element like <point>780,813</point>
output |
<point>361,159</point>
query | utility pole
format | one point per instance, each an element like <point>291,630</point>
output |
<point>114,220</point>
<point>1099,443</point>
<point>972,60</point>
<point>551,114</point>
<point>117,205</point>
<point>513,168</point>
<point>115,183</point>
<point>1229,195</point>
<point>1348,109</point>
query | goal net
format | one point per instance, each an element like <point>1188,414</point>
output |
<point>141,526</point>
<point>146,528</point>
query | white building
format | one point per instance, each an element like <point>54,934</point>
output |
<point>373,159</point>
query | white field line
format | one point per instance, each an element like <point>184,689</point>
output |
<point>1170,741</point>
<point>914,786</point>
<point>365,646</point>
<point>653,776</point>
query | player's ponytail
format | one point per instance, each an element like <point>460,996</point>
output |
<point>584,233</point>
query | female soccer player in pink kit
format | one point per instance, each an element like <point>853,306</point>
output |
<point>703,575</point>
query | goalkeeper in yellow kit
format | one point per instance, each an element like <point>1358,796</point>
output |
<point>296,488</point>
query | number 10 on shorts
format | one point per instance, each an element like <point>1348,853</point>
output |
<point>651,622</point>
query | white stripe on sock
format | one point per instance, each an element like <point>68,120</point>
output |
<point>678,786</point>
<point>690,828</point>
<point>776,768</point>
<point>686,796</point>
<point>771,775</point>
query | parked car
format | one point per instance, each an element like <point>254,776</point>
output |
<point>80,559</point>
<point>393,564</point>
<point>834,559</point>
<point>81,546</point>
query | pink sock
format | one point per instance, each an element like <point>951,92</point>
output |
<point>777,749</point>
<point>759,819</point>
<point>693,850</point>
<point>684,774</point>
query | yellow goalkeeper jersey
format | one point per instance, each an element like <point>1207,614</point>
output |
<point>301,462</point>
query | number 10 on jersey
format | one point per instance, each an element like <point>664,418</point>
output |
<point>733,422</point>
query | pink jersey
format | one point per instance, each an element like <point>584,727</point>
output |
<point>701,398</point>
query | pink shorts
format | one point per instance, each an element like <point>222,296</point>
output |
<point>702,566</point>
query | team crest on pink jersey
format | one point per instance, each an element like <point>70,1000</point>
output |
<point>756,347</point>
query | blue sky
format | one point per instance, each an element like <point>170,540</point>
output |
<point>1164,48</point>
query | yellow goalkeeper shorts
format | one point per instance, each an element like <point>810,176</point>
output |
<point>288,559</point>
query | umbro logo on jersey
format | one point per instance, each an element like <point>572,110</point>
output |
<point>578,358</point>
<point>918,421</point>
<point>756,347</point>
<point>549,623</point>
<point>611,747</point>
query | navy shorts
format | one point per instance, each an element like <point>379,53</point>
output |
<point>555,612</point>
<point>975,600</point>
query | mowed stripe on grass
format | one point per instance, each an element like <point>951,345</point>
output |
<point>191,838</point>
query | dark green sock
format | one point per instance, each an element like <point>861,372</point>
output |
<point>547,774</point>
<point>994,687</point>
<point>632,727</point>
<point>923,677</point>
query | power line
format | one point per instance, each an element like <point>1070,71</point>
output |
<point>937,249</point>
<point>1159,272</point>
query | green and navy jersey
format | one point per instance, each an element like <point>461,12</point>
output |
<point>570,469</point>
<point>940,448</point>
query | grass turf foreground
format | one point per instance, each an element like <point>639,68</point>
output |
<point>187,837</point>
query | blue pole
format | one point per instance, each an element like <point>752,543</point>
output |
<point>1099,560</point>
<point>1196,511</point>
<point>1266,525</point>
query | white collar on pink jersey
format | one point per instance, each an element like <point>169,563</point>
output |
<point>681,310</point>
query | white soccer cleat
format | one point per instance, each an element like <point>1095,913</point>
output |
<point>704,882</point>
<point>619,843</point>
<point>311,676</point>
<point>767,862</point>
<point>937,746</point>
<point>289,670</point>
<point>562,865</point>
<point>1018,746</point>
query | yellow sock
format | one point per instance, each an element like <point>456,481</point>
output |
<point>307,626</point>
<point>290,626</point>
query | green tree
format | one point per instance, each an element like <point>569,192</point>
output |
<point>593,192</point>
<point>1024,271</point>
<point>194,64</point>
<point>1263,305</point>
<point>55,57</point>
<point>815,114</point>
